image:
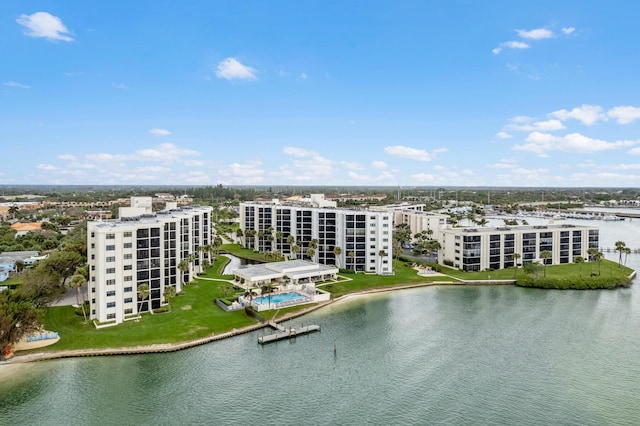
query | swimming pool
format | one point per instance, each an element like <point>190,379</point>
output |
<point>290,296</point>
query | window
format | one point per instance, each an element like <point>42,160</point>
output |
<point>111,305</point>
<point>111,293</point>
<point>127,235</point>
<point>111,282</point>
<point>128,256</point>
<point>111,236</point>
<point>111,247</point>
<point>111,259</point>
<point>127,267</point>
<point>111,270</point>
<point>127,245</point>
<point>128,300</point>
<point>111,316</point>
<point>128,311</point>
<point>128,289</point>
<point>128,278</point>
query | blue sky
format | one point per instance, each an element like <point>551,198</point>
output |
<point>410,93</point>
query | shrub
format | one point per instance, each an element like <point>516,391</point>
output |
<point>447,262</point>
<point>225,301</point>
<point>584,283</point>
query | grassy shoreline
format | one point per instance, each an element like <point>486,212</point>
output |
<point>195,319</point>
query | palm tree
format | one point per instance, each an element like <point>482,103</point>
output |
<point>239,235</point>
<point>545,254</point>
<point>169,292</point>
<point>382,254</point>
<point>352,255</point>
<point>217,242</point>
<point>295,249</point>
<point>183,267</point>
<point>279,240</point>
<point>13,211</point>
<point>593,255</point>
<point>579,260</point>
<point>77,281</point>
<point>337,251</point>
<point>143,293</point>
<point>311,252</point>
<point>515,256</point>
<point>621,247</point>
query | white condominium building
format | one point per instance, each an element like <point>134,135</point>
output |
<point>363,238</point>
<point>478,249</point>
<point>418,220</point>
<point>143,248</point>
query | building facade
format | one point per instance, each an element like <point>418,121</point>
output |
<point>478,249</point>
<point>141,249</point>
<point>363,238</point>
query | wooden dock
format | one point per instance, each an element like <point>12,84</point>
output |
<point>286,333</point>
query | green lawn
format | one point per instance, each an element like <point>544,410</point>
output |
<point>403,275</point>
<point>194,313</point>
<point>608,268</point>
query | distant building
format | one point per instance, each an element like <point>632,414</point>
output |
<point>22,228</point>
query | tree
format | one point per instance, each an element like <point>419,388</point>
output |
<point>545,255</point>
<point>516,257</point>
<point>62,263</point>
<point>337,251</point>
<point>41,286</point>
<point>402,233</point>
<point>169,292</point>
<point>183,267</point>
<point>382,254</point>
<point>352,255</point>
<point>13,211</point>
<point>77,281</point>
<point>239,235</point>
<point>18,318</point>
<point>143,294</point>
<point>295,249</point>
<point>621,247</point>
<point>595,255</point>
<point>579,260</point>
<point>279,240</point>
<point>311,252</point>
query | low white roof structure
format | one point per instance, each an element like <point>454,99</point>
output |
<point>294,269</point>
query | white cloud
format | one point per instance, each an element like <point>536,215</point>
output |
<point>407,152</point>
<point>159,132</point>
<point>587,114</point>
<point>503,135</point>
<point>119,86</point>
<point>568,30</point>
<point>47,167</point>
<point>104,157</point>
<point>542,143</point>
<point>634,151</point>
<point>510,45</point>
<point>378,164</point>
<point>298,152</point>
<point>232,69</point>
<point>624,114</point>
<point>67,157</point>
<point>304,76</point>
<point>503,163</point>
<point>15,84</point>
<point>440,150</point>
<point>43,24</point>
<point>536,34</point>
<point>165,152</point>
<point>351,165</point>
<point>546,126</point>
<point>307,166</point>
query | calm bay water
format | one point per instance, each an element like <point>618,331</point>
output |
<point>439,355</point>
